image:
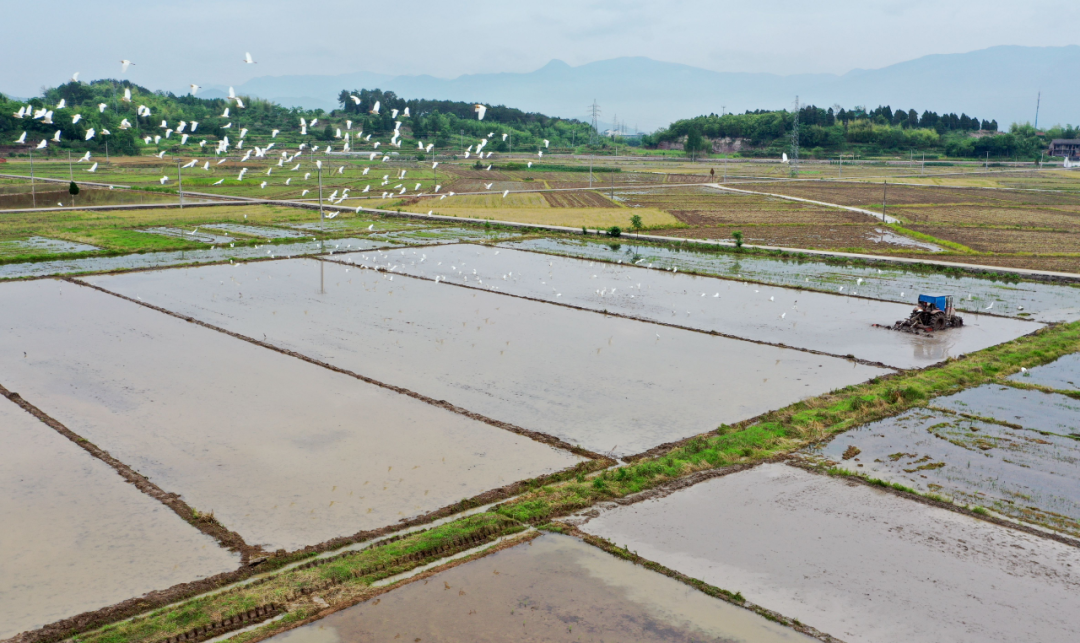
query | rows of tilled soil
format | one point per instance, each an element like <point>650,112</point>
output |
<point>1005,241</point>
<point>578,200</point>
<point>1000,216</point>
<point>820,216</point>
<point>872,194</point>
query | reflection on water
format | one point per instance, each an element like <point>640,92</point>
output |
<point>608,384</point>
<point>1028,300</point>
<point>1062,374</point>
<point>52,195</point>
<point>76,537</point>
<point>164,259</point>
<point>1017,472</point>
<point>284,452</point>
<point>831,323</point>
<point>554,589</point>
<point>41,245</point>
<point>1030,409</point>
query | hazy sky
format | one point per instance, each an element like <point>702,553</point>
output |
<point>202,41</point>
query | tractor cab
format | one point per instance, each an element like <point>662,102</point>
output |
<point>937,302</point>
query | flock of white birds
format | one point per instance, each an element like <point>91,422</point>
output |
<point>185,130</point>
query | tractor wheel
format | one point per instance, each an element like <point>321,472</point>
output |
<point>957,321</point>
<point>938,322</point>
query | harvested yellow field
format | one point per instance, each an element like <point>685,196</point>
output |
<point>493,200</point>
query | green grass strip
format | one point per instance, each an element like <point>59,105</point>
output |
<point>797,425</point>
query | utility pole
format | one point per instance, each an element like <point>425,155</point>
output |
<point>106,152</point>
<point>33,191</point>
<point>922,170</point>
<point>590,168</point>
<point>1038,102</point>
<point>594,114</point>
<point>795,141</point>
<point>180,178</point>
<point>840,174</point>
<point>321,219</point>
<point>884,200</point>
<point>71,172</point>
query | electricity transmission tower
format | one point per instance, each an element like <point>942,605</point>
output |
<point>594,115</point>
<point>795,141</point>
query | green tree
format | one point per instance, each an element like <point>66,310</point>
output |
<point>635,223</point>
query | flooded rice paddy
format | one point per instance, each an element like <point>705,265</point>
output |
<point>1035,410</point>
<point>1026,300</point>
<point>1062,374</point>
<point>859,563</point>
<point>1016,472</point>
<point>190,235</point>
<point>54,195</point>
<point>554,588</point>
<point>608,384</point>
<point>830,323</point>
<point>179,258</point>
<point>259,232</point>
<point>41,245</point>
<point>282,451</point>
<point>76,536</point>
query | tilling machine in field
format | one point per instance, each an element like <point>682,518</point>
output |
<point>932,313</point>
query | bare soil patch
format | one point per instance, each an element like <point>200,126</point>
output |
<point>578,200</point>
<point>1005,241</point>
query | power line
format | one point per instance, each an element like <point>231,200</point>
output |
<point>795,141</point>
<point>594,113</point>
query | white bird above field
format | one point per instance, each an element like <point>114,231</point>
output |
<point>163,179</point>
<point>274,133</point>
<point>75,77</point>
<point>85,157</point>
<point>487,186</point>
<point>240,102</point>
<point>182,126</point>
<point>42,144</point>
<point>191,164</point>
<point>784,158</point>
<point>206,166</point>
<point>194,88</point>
<point>366,170</point>
<point>405,113</point>
<point>124,64</point>
<point>125,124</point>
<point>89,134</point>
<point>505,135</point>
<point>377,144</point>
<point>248,59</point>
<point>540,154</point>
<point>93,168</point>
<point>62,104</point>
<point>243,171</point>
<point>314,122</point>
<point>990,306</point>
<point>304,193</point>
<point>262,185</point>
<point>393,114</point>
<point>529,164</point>
<point>127,95</point>
<point>161,154</point>
<point>355,100</point>
<point>21,140</point>
<point>366,188</point>
<point>101,108</point>
<point>194,126</point>
<point>225,114</point>
<point>56,137</point>
<point>416,188</point>
<point>480,111</point>
<point>76,118</point>
<point>546,142</point>
<point>219,181</point>
<point>47,118</point>
<point>505,192</point>
<point>295,167</point>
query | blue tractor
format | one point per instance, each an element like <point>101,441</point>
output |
<point>932,313</point>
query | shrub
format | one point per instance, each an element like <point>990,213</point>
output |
<point>614,231</point>
<point>738,238</point>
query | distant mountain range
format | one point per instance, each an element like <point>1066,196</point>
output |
<point>999,83</point>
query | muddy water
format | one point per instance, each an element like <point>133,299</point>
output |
<point>822,322</point>
<point>857,562</point>
<point>1030,409</point>
<point>284,452</point>
<point>41,245</point>
<point>77,537</point>
<point>162,259</point>
<point>556,588</point>
<point>1062,374</point>
<point>259,232</point>
<point>1024,300</point>
<point>608,384</point>
<point>1020,473</point>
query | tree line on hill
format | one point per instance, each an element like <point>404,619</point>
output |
<point>832,131</point>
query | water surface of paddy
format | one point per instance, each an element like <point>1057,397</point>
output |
<point>829,323</point>
<point>555,588</point>
<point>608,384</point>
<point>1027,300</point>
<point>284,452</point>
<point>1030,409</point>
<point>76,536</point>
<point>1062,374</point>
<point>856,562</point>
<point>1017,472</point>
